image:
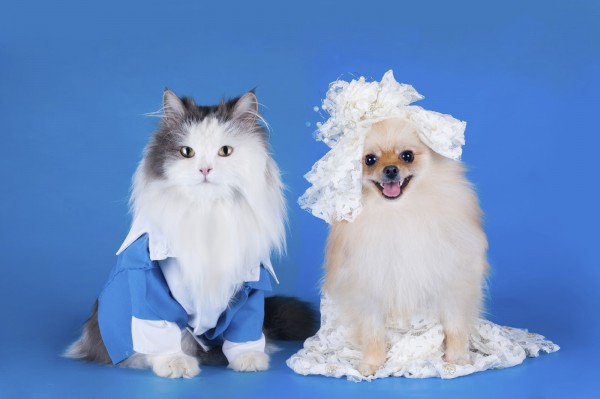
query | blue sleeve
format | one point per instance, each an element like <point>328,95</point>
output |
<point>148,290</point>
<point>151,298</point>
<point>136,287</point>
<point>247,322</point>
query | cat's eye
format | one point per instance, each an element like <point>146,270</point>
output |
<point>407,156</point>
<point>225,151</point>
<point>370,159</point>
<point>187,152</point>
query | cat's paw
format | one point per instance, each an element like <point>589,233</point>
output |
<point>250,361</point>
<point>175,366</point>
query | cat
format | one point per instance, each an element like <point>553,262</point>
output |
<point>189,284</point>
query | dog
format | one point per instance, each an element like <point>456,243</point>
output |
<point>416,249</point>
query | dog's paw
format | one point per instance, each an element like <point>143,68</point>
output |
<point>373,356</point>
<point>250,361</point>
<point>368,369</point>
<point>175,366</point>
<point>457,357</point>
<point>456,348</point>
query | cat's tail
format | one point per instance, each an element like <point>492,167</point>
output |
<point>288,318</point>
<point>89,346</point>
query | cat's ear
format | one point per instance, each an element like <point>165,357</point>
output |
<point>246,108</point>
<point>172,105</point>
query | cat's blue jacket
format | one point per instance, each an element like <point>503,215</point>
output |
<point>137,290</point>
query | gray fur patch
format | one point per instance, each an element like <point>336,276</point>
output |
<point>168,138</point>
<point>90,345</point>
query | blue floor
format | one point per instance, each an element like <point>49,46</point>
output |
<point>76,80</point>
<point>39,373</point>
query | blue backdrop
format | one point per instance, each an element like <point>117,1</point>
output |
<point>77,78</point>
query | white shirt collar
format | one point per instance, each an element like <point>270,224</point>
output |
<point>160,250</point>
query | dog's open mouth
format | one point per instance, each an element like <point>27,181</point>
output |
<point>393,189</point>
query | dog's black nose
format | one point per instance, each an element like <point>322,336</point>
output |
<point>391,172</point>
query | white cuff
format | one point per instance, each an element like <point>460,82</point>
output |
<point>152,337</point>
<point>233,349</point>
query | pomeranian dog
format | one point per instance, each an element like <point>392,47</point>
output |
<point>191,276</point>
<point>416,249</point>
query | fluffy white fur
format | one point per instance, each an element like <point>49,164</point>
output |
<point>218,225</point>
<point>421,254</point>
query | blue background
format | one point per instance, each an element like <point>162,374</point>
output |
<point>76,79</point>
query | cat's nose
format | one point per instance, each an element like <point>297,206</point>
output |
<point>205,171</point>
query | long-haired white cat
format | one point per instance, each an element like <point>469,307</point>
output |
<point>208,212</point>
<point>416,249</point>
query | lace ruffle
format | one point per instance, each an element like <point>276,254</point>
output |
<point>353,107</point>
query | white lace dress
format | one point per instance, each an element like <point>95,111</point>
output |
<point>416,351</point>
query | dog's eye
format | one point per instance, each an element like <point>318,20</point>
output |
<point>225,151</point>
<point>370,159</point>
<point>187,152</point>
<point>407,156</point>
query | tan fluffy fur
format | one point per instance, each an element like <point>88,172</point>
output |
<point>421,254</point>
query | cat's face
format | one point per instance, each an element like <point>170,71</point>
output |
<point>212,151</point>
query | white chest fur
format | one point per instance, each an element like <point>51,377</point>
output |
<point>410,259</point>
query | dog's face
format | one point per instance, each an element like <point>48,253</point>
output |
<point>393,159</point>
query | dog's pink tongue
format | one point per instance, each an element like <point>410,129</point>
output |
<point>391,189</point>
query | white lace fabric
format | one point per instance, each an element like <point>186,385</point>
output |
<point>416,351</point>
